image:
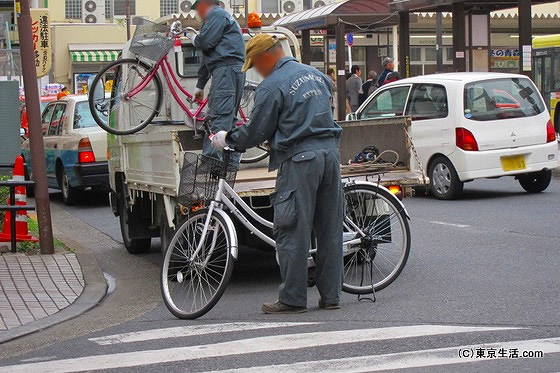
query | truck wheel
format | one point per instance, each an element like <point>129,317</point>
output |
<point>69,193</point>
<point>535,182</point>
<point>132,245</point>
<point>444,181</point>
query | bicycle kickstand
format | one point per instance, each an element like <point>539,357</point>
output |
<point>360,296</point>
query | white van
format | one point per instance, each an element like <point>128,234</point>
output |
<point>468,126</point>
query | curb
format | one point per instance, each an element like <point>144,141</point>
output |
<point>94,291</point>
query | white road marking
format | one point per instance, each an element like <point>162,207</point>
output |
<point>240,347</point>
<point>189,331</point>
<point>451,224</point>
<point>405,360</point>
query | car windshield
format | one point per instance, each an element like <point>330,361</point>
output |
<point>502,99</point>
<point>83,117</point>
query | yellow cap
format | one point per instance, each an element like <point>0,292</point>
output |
<point>257,45</point>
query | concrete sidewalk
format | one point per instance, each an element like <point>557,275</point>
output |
<point>34,287</point>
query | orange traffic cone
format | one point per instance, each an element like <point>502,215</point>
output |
<point>22,231</point>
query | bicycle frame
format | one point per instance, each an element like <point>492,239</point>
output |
<point>225,194</point>
<point>173,83</point>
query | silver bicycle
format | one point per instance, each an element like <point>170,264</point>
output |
<point>199,260</point>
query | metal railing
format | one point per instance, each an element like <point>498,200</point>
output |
<point>12,207</point>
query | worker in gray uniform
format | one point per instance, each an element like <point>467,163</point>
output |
<point>223,53</point>
<point>293,113</point>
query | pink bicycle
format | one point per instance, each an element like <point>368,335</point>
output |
<point>137,90</point>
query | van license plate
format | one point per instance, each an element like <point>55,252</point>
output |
<point>513,163</point>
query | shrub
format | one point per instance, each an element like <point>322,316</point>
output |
<point>4,194</point>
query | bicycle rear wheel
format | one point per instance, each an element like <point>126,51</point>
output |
<point>192,286</point>
<point>380,257</point>
<point>125,112</point>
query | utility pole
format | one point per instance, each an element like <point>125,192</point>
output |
<point>127,5</point>
<point>439,42</point>
<point>35,132</point>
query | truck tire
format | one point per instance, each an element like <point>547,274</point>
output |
<point>132,245</point>
<point>535,182</point>
<point>444,181</point>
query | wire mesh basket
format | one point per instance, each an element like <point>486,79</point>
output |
<point>200,176</point>
<point>150,40</point>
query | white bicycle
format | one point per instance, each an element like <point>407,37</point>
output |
<point>199,260</point>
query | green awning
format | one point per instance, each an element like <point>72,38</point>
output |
<point>94,56</point>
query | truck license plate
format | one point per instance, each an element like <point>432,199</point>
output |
<point>513,163</point>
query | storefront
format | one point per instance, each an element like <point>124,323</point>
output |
<point>85,63</point>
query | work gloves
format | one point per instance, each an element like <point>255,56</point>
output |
<point>219,140</point>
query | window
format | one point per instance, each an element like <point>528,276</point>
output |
<point>167,7</point>
<point>119,7</point>
<point>191,61</point>
<point>56,122</point>
<point>269,6</point>
<point>83,117</point>
<point>416,54</point>
<point>46,118</point>
<point>428,101</point>
<point>387,103</point>
<point>73,9</point>
<point>502,99</point>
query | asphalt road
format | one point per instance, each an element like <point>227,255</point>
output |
<point>482,274</point>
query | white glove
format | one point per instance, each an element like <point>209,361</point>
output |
<point>198,93</point>
<point>219,140</point>
<point>192,36</point>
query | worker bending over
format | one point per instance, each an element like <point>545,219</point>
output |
<point>293,113</point>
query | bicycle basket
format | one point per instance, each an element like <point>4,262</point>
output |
<point>200,176</point>
<point>150,40</point>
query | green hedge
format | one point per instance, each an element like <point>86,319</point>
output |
<point>4,194</point>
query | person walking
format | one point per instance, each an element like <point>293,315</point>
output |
<point>332,76</point>
<point>388,65</point>
<point>292,111</point>
<point>368,87</point>
<point>223,53</point>
<point>353,87</point>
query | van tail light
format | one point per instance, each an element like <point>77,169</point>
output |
<point>465,140</point>
<point>550,132</point>
<point>85,151</point>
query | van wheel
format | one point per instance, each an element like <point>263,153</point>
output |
<point>444,181</point>
<point>132,245</point>
<point>535,182</point>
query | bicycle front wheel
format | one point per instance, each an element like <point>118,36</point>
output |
<point>254,155</point>
<point>192,284</point>
<point>134,101</point>
<point>380,256</point>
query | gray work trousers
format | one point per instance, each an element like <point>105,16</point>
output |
<point>226,91</point>
<point>309,199</point>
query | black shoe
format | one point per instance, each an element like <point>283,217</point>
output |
<point>281,308</point>
<point>328,306</point>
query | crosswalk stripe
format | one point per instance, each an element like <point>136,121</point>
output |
<point>240,347</point>
<point>403,360</point>
<point>193,330</point>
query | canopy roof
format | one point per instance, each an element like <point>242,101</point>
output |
<point>446,5</point>
<point>357,14</point>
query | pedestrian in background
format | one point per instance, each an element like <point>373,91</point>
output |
<point>368,87</point>
<point>292,112</point>
<point>331,74</point>
<point>389,66</point>
<point>353,87</point>
<point>392,77</point>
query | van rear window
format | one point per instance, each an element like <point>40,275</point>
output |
<point>502,99</point>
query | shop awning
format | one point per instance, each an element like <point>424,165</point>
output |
<point>94,56</point>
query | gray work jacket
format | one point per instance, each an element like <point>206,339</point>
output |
<point>221,42</point>
<point>292,111</point>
